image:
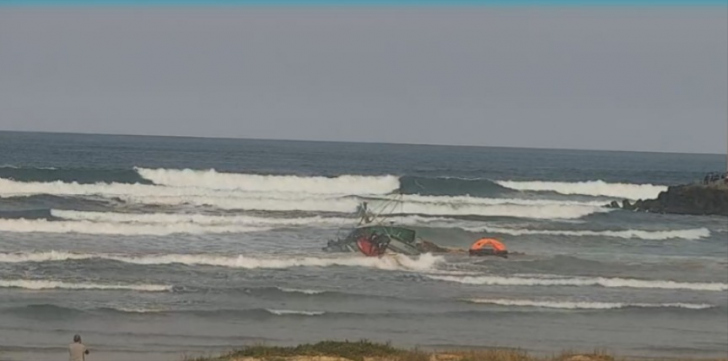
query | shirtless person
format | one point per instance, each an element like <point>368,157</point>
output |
<point>77,350</point>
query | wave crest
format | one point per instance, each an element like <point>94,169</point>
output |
<point>202,219</point>
<point>581,282</point>
<point>689,234</point>
<point>44,285</point>
<point>295,312</point>
<point>211,179</point>
<point>304,198</point>
<point>585,305</point>
<point>425,262</point>
<point>87,227</point>
<point>590,188</point>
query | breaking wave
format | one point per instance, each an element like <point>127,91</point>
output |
<point>553,211</point>
<point>218,222</point>
<point>450,187</point>
<point>301,201</point>
<point>51,256</point>
<point>9,188</point>
<point>80,175</point>
<point>88,227</point>
<point>144,181</point>
<point>689,234</point>
<point>590,188</point>
<point>462,200</point>
<point>201,219</point>
<point>348,205</point>
<point>582,281</point>
<point>257,203</point>
<point>585,305</point>
<point>43,285</point>
<point>211,179</point>
<point>425,262</point>
<point>240,220</point>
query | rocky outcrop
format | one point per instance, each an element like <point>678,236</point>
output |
<point>685,199</point>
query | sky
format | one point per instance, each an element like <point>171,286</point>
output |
<point>647,78</point>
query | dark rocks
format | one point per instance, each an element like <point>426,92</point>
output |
<point>685,199</point>
<point>626,205</point>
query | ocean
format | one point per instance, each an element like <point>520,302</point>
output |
<point>155,247</point>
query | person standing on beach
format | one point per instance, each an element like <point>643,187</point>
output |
<point>77,350</point>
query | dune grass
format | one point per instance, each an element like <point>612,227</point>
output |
<point>371,351</point>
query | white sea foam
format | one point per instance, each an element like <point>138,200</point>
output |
<point>276,198</point>
<point>163,195</point>
<point>49,256</point>
<point>137,309</point>
<point>582,281</point>
<point>88,227</point>
<point>14,188</point>
<point>590,188</point>
<point>124,190</point>
<point>211,179</point>
<point>396,262</point>
<point>178,182</point>
<point>42,285</point>
<point>424,263</point>
<point>182,194</point>
<point>236,202</point>
<point>586,305</point>
<point>507,210</point>
<point>201,219</point>
<point>298,290</point>
<point>460,200</point>
<point>348,205</point>
<point>690,234</point>
<point>295,312</point>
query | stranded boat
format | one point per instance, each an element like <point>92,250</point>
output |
<point>373,238</point>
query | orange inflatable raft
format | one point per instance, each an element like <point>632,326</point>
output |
<point>488,247</point>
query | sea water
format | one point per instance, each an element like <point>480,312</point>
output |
<point>151,247</point>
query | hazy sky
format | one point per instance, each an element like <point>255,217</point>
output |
<point>650,78</point>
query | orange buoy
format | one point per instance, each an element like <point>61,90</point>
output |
<point>488,247</point>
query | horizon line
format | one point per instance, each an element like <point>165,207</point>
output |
<point>360,142</point>
<point>414,3</point>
